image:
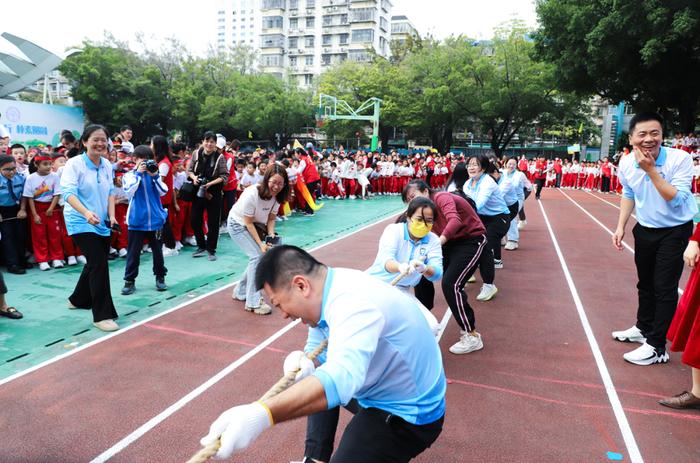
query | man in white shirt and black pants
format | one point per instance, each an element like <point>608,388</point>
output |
<point>656,181</point>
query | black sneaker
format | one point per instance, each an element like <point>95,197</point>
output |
<point>17,270</point>
<point>160,284</point>
<point>129,288</point>
<point>199,253</point>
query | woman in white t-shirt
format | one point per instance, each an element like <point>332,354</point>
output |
<point>255,209</point>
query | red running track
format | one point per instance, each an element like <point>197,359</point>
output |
<point>534,393</point>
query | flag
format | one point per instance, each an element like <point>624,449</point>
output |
<point>250,135</point>
<point>297,144</point>
<point>580,128</point>
<point>301,186</point>
<point>286,209</point>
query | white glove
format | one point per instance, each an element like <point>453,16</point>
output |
<point>418,265</point>
<point>405,268</point>
<point>298,359</point>
<point>238,428</point>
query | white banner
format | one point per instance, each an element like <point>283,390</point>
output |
<point>35,124</point>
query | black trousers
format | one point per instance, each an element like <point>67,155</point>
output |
<point>3,288</point>
<point>133,254</point>
<point>558,180</point>
<point>425,292</point>
<point>658,255</point>
<point>513,211</point>
<point>605,185</point>
<point>372,436</point>
<point>14,237</point>
<point>167,238</point>
<point>213,208</point>
<point>496,228</point>
<point>311,186</point>
<point>460,260</point>
<point>539,182</point>
<point>92,290</point>
<point>521,214</point>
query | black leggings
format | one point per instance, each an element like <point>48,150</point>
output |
<point>496,228</point>
<point>521,214</point>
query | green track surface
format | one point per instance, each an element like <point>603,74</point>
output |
<point>49,328</point>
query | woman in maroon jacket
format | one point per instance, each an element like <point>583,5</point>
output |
<point>463,238</point>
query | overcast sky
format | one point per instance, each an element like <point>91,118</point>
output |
<point>48,23</point>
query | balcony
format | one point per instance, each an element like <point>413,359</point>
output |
<point>273,4</point>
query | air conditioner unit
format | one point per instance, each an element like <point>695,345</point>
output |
<point>343,49</point>
<point>301,50</point>
<point>326,50</point>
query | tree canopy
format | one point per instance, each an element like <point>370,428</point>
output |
<point>644,52</point>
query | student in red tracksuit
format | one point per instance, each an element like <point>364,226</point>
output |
<point>42,190</point>
<point>540,175</point>
<point>309,174</point>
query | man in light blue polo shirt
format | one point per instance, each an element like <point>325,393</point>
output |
<point>656,181</point>
<point>381,353</point>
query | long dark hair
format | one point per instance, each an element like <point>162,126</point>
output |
<point>459,175</point>
<point>264,187</point>
<point>161,148</point>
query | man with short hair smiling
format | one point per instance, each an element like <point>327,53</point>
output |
<point>381,352</point>
<point>656,181</point>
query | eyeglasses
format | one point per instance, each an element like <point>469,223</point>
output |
<point>423,220</point>
<point>275,183</point>
<point>9,169</point>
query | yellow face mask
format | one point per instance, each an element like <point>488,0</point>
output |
<point>419,229</point>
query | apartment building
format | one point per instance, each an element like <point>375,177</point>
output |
<point>402,29</point>
<point>302,38</point>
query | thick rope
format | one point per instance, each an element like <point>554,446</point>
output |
<point>284,383</point>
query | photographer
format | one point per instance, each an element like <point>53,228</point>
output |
<point>250,218</point>
<point>145,217</point>
<point>208,171</point>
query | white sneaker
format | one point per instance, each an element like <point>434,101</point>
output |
<point>146,248</point>
<point>72,261</point>
<point>178,246</point>
<point>646,355</point>
<point>191,240</point>
<point>44,266</point>
<point>112,250</point>
<point>81,260</point>
<point>521,224</point>
<point>511,246</point>
<point>497,263</point>
<point>223,229</point>
<point>633,334</point>
<point>353,196</point>
<point>487,292</point>
<point>503,241</point>
<point>106,325</point>
<point>468,342</point>
<point>57,264</point>
<point>122,252</point>
<point>168,252</point>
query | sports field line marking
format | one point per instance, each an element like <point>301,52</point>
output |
<point>610,232</point>
<point>613,398</point>
<point>443,324</point>
<point>166,312</point>
<point>162,416</point>
<point>607,202</point>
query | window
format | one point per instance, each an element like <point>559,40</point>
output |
<point>382,45</point>
<point>271,22</point>
<point>293,41</point>
<point>386,5</point>
<point>294,23</point>
<point>326,60</point>
<point>383,24</point>
<point>344,39</point>
<point>221,12</point>
<point>358,55</point>
<point>272,60</point>
<point>309,60</point>
<point>272,41</point>
<point>309,41</point>
<point>327,20</point>
<point>310,21</point>
<point>293,61</point>
<point>362,35</point>
<point>293,4</point>
<point>308,79</point>
<point>221,20</point>
<point>327,40</point>
<point>343,19</point>
<point>310,3</point>
<point>363,14</point>
<point>272,4</point>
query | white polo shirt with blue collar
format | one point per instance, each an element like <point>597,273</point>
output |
<point>92,185</point>
<point>653,211</point>
<point>381,350</point>
<point>396,244</point>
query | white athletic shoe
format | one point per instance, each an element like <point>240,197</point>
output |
<point>146,248</point>
<point>353,197</point>
<point>487,292</point>
<point>81,260</point>
<point>511,246</point>
<point>72,261</point>
<point>122,252</point>
<point>112,250</point>
<point>57,264</point>
<point>468,342</point>
<point>503,241</point>
<point>521,224</point>
<point>191,240</point>
<point>168,252</point>
<point>44,266</point>
<point>633,334</point>
<point>646,355</point>
<point>178,246</point>
<point>497,263</point>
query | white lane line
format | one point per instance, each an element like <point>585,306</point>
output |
<point>610,232</point>
<point>607,202</point>
<point>443,324</point>
<point>623,424</point>
<point>162,416</point>
<point>158,315</point>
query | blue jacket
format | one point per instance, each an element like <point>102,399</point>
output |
<point>145,212</point>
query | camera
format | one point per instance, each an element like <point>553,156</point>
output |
<point>116,228</point>
<point>202,192</point>
<point>151,166</point>
<point>272,240</point>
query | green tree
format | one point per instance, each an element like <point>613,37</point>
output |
<point>644,52</point>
